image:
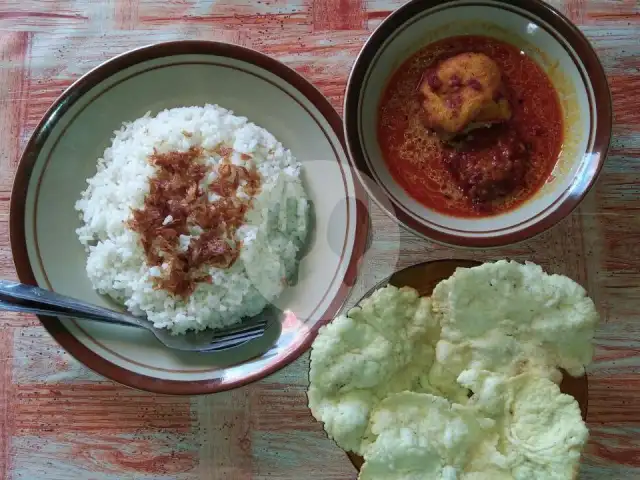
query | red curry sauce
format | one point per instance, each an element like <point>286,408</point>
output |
<point>520,154</point>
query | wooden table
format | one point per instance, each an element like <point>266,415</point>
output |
<point>60,421</point>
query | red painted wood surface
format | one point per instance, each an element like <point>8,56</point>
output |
<point>60,421</point>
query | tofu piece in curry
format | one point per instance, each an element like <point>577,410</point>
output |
<point>464,92</point>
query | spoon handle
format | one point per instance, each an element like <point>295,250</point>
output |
<point>18,297</point>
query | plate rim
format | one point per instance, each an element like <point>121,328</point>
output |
<point>41,133</point>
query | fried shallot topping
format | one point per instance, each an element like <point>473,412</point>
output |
<point>184,233</point>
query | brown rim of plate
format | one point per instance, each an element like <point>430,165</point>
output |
<point>42,131</point>
<point>578,388</point>
<point>601,111</point>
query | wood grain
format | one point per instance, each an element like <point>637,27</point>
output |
<point>225,434</point>
<point>60,421</point>
<point>6,399</point>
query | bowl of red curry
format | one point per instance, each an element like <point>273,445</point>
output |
<point>483,123</point>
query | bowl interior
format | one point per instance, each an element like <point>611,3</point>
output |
<point>76,133</point>
<point>575,166</point>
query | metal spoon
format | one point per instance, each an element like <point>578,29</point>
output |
<point>18,297</point>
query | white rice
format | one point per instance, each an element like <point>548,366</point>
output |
<point>275,227</point>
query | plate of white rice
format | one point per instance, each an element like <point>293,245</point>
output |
<point>195,184</point>
<point>216,293</point>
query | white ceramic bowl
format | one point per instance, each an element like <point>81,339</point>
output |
<point>62,154</point>
<point>558,47</point>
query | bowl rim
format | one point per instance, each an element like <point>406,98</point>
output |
<point>603,121</point>
<point>65,101</point>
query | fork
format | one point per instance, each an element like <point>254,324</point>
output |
<point>18,297</point>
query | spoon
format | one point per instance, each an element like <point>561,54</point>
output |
<point>18,297</point>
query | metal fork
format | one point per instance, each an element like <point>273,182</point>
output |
<point>18,297</point>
